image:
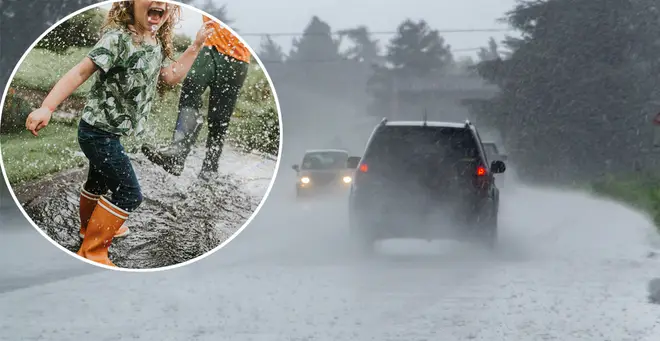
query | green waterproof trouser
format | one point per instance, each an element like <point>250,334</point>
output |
<point>224,75</point>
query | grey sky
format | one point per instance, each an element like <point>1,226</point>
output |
<point>292,16</point>
<point>258,16</point>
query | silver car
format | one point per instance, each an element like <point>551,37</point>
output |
<point>324,171</point>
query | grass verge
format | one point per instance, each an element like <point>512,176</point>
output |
<point>26,157</point>
<point>641,191</point>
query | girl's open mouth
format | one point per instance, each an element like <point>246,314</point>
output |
<point>154,15</point>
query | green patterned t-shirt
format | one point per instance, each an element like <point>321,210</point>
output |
<point>124,88</point>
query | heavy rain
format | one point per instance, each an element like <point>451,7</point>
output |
<point>565,92</point>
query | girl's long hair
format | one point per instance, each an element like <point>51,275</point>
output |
<point>121,15</point>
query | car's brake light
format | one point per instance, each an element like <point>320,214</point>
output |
<point>481,171</point>
<point>364,168</point>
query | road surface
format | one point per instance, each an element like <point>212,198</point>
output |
<point>572,268</point>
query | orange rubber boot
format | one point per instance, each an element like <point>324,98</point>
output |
<point>87,204</point>
<point>101,228</point>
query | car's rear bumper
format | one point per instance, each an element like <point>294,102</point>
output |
<point>449,220</point>
<point>431,225</point>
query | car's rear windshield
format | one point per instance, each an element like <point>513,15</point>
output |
<point>411,145</point>
<point>490,149</point>
<point>325,160</point>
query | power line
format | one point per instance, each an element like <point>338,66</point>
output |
<point>467,49</point>
<point>340,32</point>
<point>342,60</point>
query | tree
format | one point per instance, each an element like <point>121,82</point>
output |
<point>364,49</point>
<point>316,44</point>
<point>574,88</point>
<point>416,58</point>
<point>270,51</point>
<point>489,53</point>
<point>219,11</point>
<point>418,50</point>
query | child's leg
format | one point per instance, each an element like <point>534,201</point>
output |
<point>102,226</point>
<point>90,193</point>
<point>107,155</point>
<point>225,89</point>
<point>189,122</point>
<point>94,187</point>
<point>123,182</point>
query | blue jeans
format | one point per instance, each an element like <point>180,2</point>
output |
<point>110,168</point>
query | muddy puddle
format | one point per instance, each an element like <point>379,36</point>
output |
<point>180,218</point>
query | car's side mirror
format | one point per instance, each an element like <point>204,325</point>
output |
<point>353,162</point>
<point>295,168</point>
<point>497,167</point>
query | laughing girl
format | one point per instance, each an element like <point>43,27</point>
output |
<point>131,58</point>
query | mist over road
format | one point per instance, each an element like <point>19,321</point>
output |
<point>571,267</point>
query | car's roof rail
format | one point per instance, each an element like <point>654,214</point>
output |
<point>383,121</point>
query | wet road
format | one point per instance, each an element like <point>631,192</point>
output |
<point>571,268</point>
<point>27,259</point>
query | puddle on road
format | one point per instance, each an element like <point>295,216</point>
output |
<point>180,218</point>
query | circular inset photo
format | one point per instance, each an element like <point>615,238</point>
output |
<point>140,135</point>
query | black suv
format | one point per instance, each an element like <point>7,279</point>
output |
<point>425,180</point>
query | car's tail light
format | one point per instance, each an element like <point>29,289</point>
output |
<point>364,168</point>
<point>481,179</point>
<point>481,171</point>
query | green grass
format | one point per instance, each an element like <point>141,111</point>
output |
<point>27,157</point>
<point>41,69</point>
<point>641,191</point>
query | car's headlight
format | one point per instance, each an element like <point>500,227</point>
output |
<point>347,179</point>
<point>304,180</point>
